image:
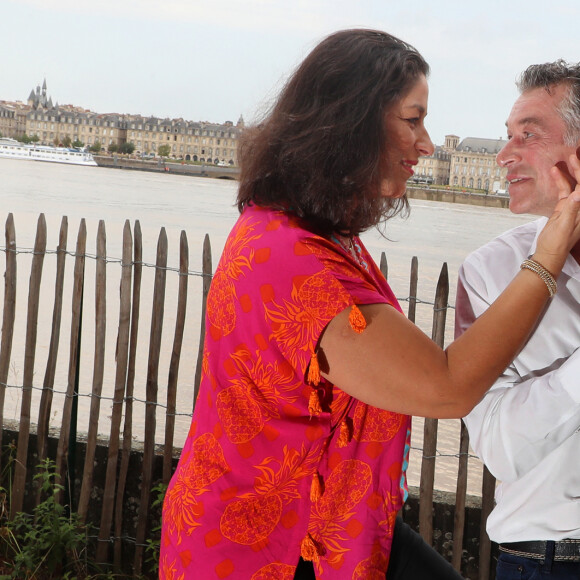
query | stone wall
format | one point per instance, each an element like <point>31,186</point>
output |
<point>454,196</point>
<point>443,506</point>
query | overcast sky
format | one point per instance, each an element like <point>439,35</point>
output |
<point>218,59</point>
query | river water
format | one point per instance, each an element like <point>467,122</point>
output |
<point>435,232</point>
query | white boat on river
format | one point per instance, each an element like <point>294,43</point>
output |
<point>12,149</point>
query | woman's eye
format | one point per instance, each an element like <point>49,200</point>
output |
<point>413,121</point>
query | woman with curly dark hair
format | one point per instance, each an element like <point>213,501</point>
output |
<point>294,466</point>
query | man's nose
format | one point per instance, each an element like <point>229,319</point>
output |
<point>507,155</point>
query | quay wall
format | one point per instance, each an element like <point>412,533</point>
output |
<point>443,502</point>
<point>453,196</point>
<point>163,166</point>
<point>197,170</point>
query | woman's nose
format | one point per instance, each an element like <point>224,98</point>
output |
<point>425,145</point>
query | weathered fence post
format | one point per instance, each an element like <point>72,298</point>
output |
<point>206,273</point>
<point>487,498</point>
<point>98,370</point>
<point>151,396</point>
<point>74,356</point>
<point>430,428</point>
<point>128,424</point>
<point>413,281</point>
<point>17,495</point>
<point>122,355</point>
<point>8,317</point>
<point>384,266</point>
<point>175,357</point>
<point>460,496</point>
<point>48,384</point>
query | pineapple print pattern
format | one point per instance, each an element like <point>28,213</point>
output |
<point>344,490</point>
<point>255,395</point>
<point>372,424</point>
<point>221,301</point>
<point>205,466</point>
<point>240,504</point>
<point>297,323</point>
<point>252,517</point>
<point>169,571</point>
<point>240,414</point>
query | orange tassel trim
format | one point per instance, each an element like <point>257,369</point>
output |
<point>309,549</point>
<point>314,370</point>
<point>356,319</point>
<point>316,488</point>
<point>343,435</point>
<point>314,407</point>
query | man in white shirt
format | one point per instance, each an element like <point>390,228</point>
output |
<point>526,429</point>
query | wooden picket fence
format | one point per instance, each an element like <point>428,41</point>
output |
<point>112,498</point>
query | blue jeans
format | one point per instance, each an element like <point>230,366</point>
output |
<point>511,567</point>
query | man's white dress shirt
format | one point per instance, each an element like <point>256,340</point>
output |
<point>526,428</point>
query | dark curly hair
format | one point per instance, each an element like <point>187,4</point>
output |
<point>320,151</point>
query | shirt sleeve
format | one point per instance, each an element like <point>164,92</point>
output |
<point>520,420</point>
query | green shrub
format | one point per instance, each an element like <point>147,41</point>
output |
<point>47,544</point>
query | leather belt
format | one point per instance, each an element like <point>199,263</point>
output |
<point>564,550</point>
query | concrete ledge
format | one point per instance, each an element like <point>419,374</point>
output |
<point>452,196</point>
<point>443,502</point>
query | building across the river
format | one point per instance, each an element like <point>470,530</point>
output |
<point>468,164</point>
<point>49,123</point>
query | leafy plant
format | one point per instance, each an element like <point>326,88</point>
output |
<point>47,544</point>
<point>153,543</point>
<point>164,150</point>
<point>127,147</point>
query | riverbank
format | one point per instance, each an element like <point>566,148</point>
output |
<point>218,172</point>
<point>453,196</point>
<point>164,166</point>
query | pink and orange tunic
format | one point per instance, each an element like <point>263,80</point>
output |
<point>278,462</point>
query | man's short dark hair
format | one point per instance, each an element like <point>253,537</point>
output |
<point>549,75</point>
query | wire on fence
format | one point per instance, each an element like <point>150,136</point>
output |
<point>31,251</point>
<point>107,260</point>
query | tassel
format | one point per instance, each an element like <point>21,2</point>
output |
<point>314,370</point>
<point>314,407</point>
<point>344,435</point>
<point>356,319</point>
<point>316,488</point>
<point>309,549</point>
